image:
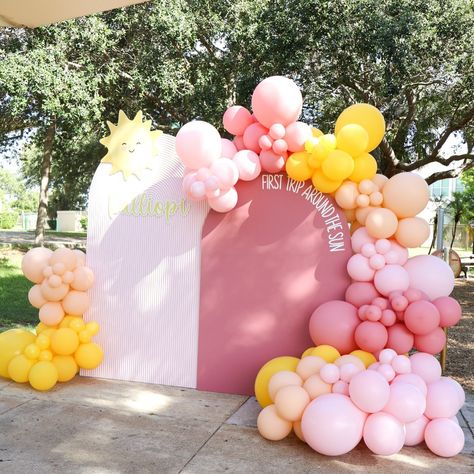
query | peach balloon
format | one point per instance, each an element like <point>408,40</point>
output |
<point>291,401</point>
<point>65,256</point>
<point>83,279</point>
<point>282,379</point>
<point>34,262</point>
<point>381,223</point>
<point>362,213</point>
<point>406,194</point>
<point>315,386</point>
<point>35,297</point>
<point>297,430</point>
<point>81,257</point>
<point>309,365</point>
<point>271,426</point>
<point>51,313</point>
<point>380,180</point>
<point>346,195</point>
<point>349,359</point>
<point>51,293</point>
<point>412,232</point>
<point>76,303</point>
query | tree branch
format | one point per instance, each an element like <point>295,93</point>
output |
<point>425,161</point>
<point>402,133</point>
<point>448,173</point>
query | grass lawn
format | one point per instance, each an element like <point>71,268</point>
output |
<point>15,309</point>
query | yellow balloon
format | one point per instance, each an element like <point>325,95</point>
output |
<point>45,355</point>
<point>365,167</point>
<point>64,341</point>
<point>66,321</point>
<point>366,357</point>
<point>316,132</point>
<point>307,352</point>
<point>326,352</point>
<point>43,375</point>
<point>19,368</point>
<point>328,141</point>
<point>42,341</point>
<point>368,117</point>
<point>338,165</point>
<point>297,166</point>
<point>40,327</point>
<point>92,327</point>
<point>77,324</point>
<point>85,336</point>
<point>352,139</point>
<point>66,367</point>
<point>89,355</point>
<point>323,184</point>
<point>32,351</point>
<point>12,343</point>
<point>265,374</point>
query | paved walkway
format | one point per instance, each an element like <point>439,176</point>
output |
<point>97,426</point>
<point>51,240</point>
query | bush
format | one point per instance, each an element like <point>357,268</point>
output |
<point>8,219</point>
<point>84,223</point>
<point>52,224</point>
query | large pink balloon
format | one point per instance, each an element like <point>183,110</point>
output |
<point>369,391</point>
<point>359,269</point>
<point>226,172</point>
<point>271,162</point>
<point>277,99</point>
<point>406,402</point>
<point>332,424</point>
<point>236,119</point>
<point>228,148</point>
<point>413,379</point>
<point>400,339</point>
<point>442,399</point>
<point>444,437</point>
<point>431,275</point>
<point>334,323</point>
<point>360,293</point>
<point>449,310</point>
<point>371,336</point>
<point>426,366</point>
<point>252,135</point>
<point>33,263</point>
<point>421,317</point>
<point>198,144</point>
<point>384,434</point>
<point>432,343</point>
<point>297,134</point>
<point>391,278</point>
<point>248,164</point>
<point>225,202</point>
<point>415,431</point>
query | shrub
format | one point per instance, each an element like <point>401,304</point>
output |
<point>8,219</point>
<point>52,223</point>
<point>84,223</point>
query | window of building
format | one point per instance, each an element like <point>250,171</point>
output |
<point>440,189</point>
<point>459,186</point>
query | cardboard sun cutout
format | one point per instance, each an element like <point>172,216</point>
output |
<point>132,145</point>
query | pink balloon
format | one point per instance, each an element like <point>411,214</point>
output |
<point>35,297</point>
<point>239,142</point>
<point>341,387</point>
<point>51,313</point>
<point>415,431</point>
<point>277,99</point>
<point>458,388</point>
<point>406,402</point>
<point>225,171</point>
<point>426,366</point>
<point>371,336</point>
<point>412,379</point>
<point>449,310</point>
<point>369,391</point>
<point>297,134</point>
<point>236,119</point>
<point>400,254</point>
<point>76,303</point>
<point>334,323</point>
<point>252,135</point>
<point>444,437</point>
<point>332,424</point>
<point>431,275</point>
<point>389,318</point>
<point>442,399</point>
<point>271,162</point>
<point>197,191</point>
<point>432,343</point>
<point>248,164</point>
<point>34,262</point>
<point>225,202</point>
<point>228,148</point>
<point>265,142</point>
<point>198,144</point>
<point>359,269</point>
<point>83,279</point>
<point>386,356</point>
<point>384,434</point>
<point>361,293</point>
<point>277,131</point>
<point>359,238</point>
<point>391,278</point>
<point>401,364</point>
<point>386,371</point>
<point>400,339</point>
<point>347,372</point>
<point>421,317</point>
<point>329,373</point>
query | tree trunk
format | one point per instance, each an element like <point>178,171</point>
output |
<point>435,230</point>
<point>44,184</point>
<point>454,233</point>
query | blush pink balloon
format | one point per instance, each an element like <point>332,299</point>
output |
<point>236,119</point>
<point>432,343</point>
<point>442,399</point>
<point>399,253</point>
<point>389,318</point>
<point>76,303</point>
<point>228,148</point>
<point>431,275</point>
<point>449,310</point>
<point>371,336</point>
<point>444,437</point>
<point>361,293</point>
<point>197,191</point>
<point>391,278</point>
<point>332,425</point>
<point>252,135</point>
<point>458,388</point>
<point>426,366</point>
<point>384,434</point>
<point>341,387</point>
<point>297,134</point>
<point>225,171</point>
<point>369,391</point>
<point>406,402</point>
<point>413,379</point>
<point>51,313</point>
<point>400,339</point>
<point>35,296</point>
<point>277,99</point>
<point>415,431</point>
<point>401,364</point>
<point>34,262</point>
<point>198,144</point>
<point>248,164</point>
<point>359,238</point>
<point>359,269</point>
<point>225,202</point>
<point>347,372</point>
<point>421,317</point>
<point>239,142</point>
<point>271,162</point>
<point>386,371</point>
<point>329,373</point>
<point>334,323</point>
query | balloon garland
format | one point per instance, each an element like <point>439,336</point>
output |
<point>358,382</point>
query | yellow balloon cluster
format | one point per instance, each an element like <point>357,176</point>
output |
<point>54,355</point>
<point>331,159</point>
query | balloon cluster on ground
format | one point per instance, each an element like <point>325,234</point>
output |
<point>333,401</point>
<point>62,342</point>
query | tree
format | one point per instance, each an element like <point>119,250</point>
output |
<point>15,194</point>
<point>467,179</point>
<point>456,208</point>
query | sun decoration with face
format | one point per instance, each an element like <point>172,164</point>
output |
<point>132,145</point>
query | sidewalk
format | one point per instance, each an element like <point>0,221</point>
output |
<point>52,241</point>
<point>102,426</point>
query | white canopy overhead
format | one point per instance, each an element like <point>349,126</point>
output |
<point>33,13</point>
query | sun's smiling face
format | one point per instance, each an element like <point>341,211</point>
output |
<point>131,145</point>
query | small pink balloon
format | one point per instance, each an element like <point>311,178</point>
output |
<point>228,148</point>
<point>211,184</point>
<point>34,262</point>
<point>225,171</point>
<point>265,142</point>
<point>54,293</point>
<point>332,425</point>
<point>225,202</point>
<point>382,246</point>
<point>197,190</point>
<point>277,130</point>
<point>421,317</point>
<point>271,162</point>
<point>236,119</point>
<point>297,134</point>
<point>449,310</point>
<point>412,379</point>
<point>373,313</point>
<point>347,372</point>
<point>400,339</point>
<point>83,279</point>
<point>341,387</point>
<point>444,437</point>
<point>371,336</point>
<point>76,303</point>
<point>391,278</point>
<point>359,269</point>
<point>442,399</point>
<point>386,371</point>
<point>426,366</point>
<point>252,135</point>
<point>279,147</point>
<point>35,297</point>
<point>360,293</point>
<point>401,364</point>
<point>387,355</point>
<point>415,431</point>
<point>239,142</point>
<point>406,402</point>
<point>198,144</point>
<point>369,391</point>
<point>51,313</point>
<point>362,312</point>
<point>377,262</point>
<point>384,434</point>
<point>399,302</point>
<point>432,343</point>
<point>329,373</point>
<point>389,318</point>
<point>248,165</point>
<point>349,359</point>
<point>368,250</point>
<point>359,238</point>
<point>381,302</point>
<point>413,294</point>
